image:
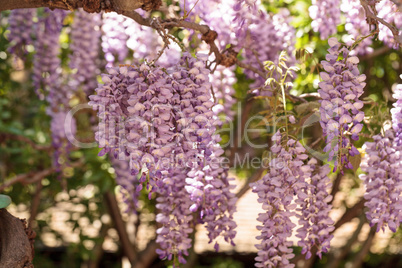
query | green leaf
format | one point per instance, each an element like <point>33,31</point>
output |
<point>5,200</point>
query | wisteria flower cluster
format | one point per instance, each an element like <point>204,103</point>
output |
<point>85,42</point>
<point>47,64</point>
<point>222,81</point>
<point>47,77</point>
<point>315,221</point>
<point>162,119</point>
<point>281,191</point>
<point>175,217</point>
<point>114,38</point>
<point>278,36</point>
<point>21,30</point>
<point>356,25</point>
<point>388,11</point>
<point>383,181</point>
<point>341,116</point>
<point>326,16</point>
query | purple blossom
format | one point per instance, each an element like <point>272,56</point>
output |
<point>278,36</point>
<point>286,178</point>
<point>326,16</point>
<point>21,30</point>
<point>383,181</point>
<point>162,119</point>
<point>114,37</point>
<point>388,11</point>
<point>47,68</point>
<point>340,90</point>
<point>85,45</point>
<point>222,81</point>
<point>246,14</point>
<point>314,212</point>
<point>210,12</point>
<point>174,216</point>
<point>356,25</point>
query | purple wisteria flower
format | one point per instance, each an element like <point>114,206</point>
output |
<point>326,16</point>
<point>21,30</point>
<point>340,90</point>
<point>114,37</point>
<point>49,83</point>
<point>222,81</point>
<point>162,120</point>
<point>356,25</point>
<point>388,11</point>
<point>85,46</point>
<point>286,178</point>
<point>278,36</point>
<point>314,212</point>
<point>47,64</point>
<point>210,12</point>
<point>246,14</point>
<point>174,216</point>
<point>382,164</point>
<point>397,114</point>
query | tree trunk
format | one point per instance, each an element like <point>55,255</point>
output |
<point>16,242</point>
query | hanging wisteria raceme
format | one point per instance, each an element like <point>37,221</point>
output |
<point>340,90</point>
<point>278,36</point>
<point>135,113</point>
<point>114,37</point>
<point>383,181</point>
<point>284,183</point>
<point>388,11</point>
<point>85,45</point>
<point>210,192</point>
<point>50,83</point>
<point>207,182</point>
<point>397,114</point>
<point>326,16</point>
<point>246,14</point>
<point>314,212</point>
<point>47,68</point>
<point>21,30</point>
<point>174,216</point>
<point>356,25</point>
<point>222,81</point>
<point>163,118</point>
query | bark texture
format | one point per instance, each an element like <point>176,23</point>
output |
<point>16,242</point>
<point>88,5</point>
